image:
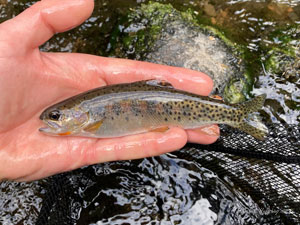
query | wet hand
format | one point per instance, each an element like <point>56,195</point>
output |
<point>31,80</point>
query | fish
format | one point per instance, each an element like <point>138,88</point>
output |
<point>145,106</point>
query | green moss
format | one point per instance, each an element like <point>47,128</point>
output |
<point>284,50</point>
<point>155,11</point>
<point>150,18</point>
<point>234,91</point>
<point>279,60</point>
<point>153,17</point>
<point>284,39</point>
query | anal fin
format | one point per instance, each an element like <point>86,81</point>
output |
<point>210,130</point>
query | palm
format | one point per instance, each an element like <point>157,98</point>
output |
<point>31,80</point>
<point>25,92</point>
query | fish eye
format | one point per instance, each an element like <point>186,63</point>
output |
<point>54,115</point>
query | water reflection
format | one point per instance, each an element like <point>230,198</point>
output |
<point>163,190</point>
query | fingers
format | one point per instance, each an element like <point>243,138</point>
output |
<point>118,71</point>
<point>204,135</point>
<point>136,146</point>
<point>52,156</point>
<point>87,68</point>
<point>38,23</point>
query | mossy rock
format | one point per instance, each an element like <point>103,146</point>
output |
<point>159,33</point>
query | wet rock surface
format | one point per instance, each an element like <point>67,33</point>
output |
<point>280,79</point>
<point>158,33</point>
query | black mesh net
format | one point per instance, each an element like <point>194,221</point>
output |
<point>267,173</point>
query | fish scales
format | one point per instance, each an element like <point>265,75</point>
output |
<point>133,108</point>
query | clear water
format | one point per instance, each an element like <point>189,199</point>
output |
<point>161,190</point>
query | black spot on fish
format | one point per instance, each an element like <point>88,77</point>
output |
<point>151,107</point>
<point>166,119</point>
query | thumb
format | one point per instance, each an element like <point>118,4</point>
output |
<point>41,21</point>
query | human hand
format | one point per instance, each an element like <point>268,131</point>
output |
<point>31,80</point>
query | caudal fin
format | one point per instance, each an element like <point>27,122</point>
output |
<point>251,123</point>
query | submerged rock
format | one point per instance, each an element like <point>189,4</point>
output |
<point>159,33</point>
<point>281,77</point>
<point>283,59</point>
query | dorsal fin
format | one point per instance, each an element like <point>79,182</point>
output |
<point>160,83</point>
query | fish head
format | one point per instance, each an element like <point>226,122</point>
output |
<point>63,121</point>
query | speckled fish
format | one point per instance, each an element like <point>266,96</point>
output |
<point>132,108</point>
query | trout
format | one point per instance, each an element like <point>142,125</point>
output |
<point>143,106</point>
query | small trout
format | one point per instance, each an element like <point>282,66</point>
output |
<point>125,109</point>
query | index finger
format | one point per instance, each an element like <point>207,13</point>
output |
<point>88,71</point>
<point>120,71</point>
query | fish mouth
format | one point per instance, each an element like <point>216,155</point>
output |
<point>48,130</point>
<point>52,127</point>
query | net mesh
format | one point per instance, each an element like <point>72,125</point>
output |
<point>268,171</point>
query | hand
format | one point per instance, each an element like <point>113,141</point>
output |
<point>31,80</point>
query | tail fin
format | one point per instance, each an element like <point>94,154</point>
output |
<point>251,123</point>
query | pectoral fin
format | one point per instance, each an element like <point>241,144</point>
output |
<point>94,126</point>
